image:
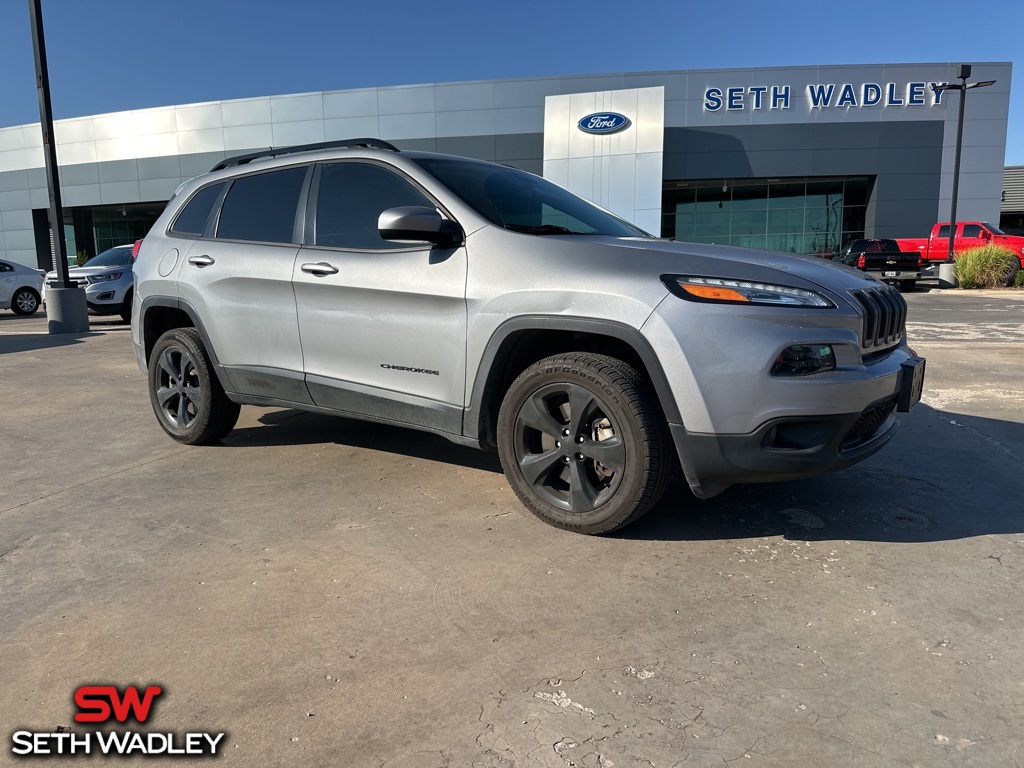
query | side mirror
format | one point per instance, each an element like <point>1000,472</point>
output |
<point>985,234</point>
<point>417,223</point>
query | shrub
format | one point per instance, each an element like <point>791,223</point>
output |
<point>1018,281</point>
<point>987,266</point>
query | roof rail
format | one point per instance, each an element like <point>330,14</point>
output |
<point>271,152</point>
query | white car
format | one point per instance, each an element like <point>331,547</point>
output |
<point>21,287</point>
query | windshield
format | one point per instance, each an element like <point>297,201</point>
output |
<point>994,230</point>
<point>523,202</point>
<point>118,256</point>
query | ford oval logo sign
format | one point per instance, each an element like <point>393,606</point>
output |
<point>604,122</point>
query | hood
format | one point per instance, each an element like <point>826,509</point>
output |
<point>83,272</point>
<point>724,261</point>
<point>1013,241</point>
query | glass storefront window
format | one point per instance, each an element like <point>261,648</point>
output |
<point>110,233</point>
<point>793,215</point>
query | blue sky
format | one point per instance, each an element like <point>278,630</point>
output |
<point>111,55</point>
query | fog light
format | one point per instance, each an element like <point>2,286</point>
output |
<point>804,359</point>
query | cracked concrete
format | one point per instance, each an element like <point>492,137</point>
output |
<point>390,584</point>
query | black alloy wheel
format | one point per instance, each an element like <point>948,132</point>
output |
<point>583,442</point>
<point>187,397</point>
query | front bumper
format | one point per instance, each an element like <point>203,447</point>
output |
<point>103,298</point>
<point>787,448</point>
<point>745,425</point>
<point>107,298</point>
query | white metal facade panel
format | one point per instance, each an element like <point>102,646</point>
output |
<point>620,171</point>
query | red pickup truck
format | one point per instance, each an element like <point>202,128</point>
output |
<point>968,235</point>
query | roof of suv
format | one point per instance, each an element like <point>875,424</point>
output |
<point>272,152</point>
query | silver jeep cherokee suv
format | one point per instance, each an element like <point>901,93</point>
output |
<point>495,308</point>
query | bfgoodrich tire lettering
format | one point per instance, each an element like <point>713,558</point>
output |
<point>186,395</point>
<point>583,442</point>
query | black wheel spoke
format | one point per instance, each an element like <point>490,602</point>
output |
<point>163,394</point>
<point>582,495</point>
<point>534,413</point>
<point>610,452</point>
<point>537,466</point>
<point>168,365</point>
<point>581,405</point>
<point>182,410</point>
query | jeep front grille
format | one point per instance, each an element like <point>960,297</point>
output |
<point>883,314</point>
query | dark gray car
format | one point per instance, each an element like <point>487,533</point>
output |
<point>490,306</point>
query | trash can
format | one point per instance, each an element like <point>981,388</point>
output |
<point>947,275</point>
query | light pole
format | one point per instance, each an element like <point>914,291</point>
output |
<point>66,309</point>
<point>962,72</point>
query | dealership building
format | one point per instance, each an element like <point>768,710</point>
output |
<point>796,159</point>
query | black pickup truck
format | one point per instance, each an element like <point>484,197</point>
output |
<point>885,260</point>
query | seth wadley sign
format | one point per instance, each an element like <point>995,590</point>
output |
<point>824,95</point>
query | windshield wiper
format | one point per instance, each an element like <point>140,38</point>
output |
<point>543,229</point>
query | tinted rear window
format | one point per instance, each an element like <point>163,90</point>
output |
<point>262,207</point>
<point>193,217</point>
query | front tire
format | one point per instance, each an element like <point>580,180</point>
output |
<point>186,395</point>
<point>25,301</point>
<point>583,442</point>
<point>126,307</point>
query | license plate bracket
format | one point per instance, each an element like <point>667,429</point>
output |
<point>911,384</point>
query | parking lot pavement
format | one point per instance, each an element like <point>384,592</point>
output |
<point>328,592</point>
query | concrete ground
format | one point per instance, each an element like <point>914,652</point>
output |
<point>335,593</point>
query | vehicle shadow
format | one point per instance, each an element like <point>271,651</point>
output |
<point>26,342</point>
<point>944,476</point>
<point>24,334</point>
<point>293,427</point>
<point>914,490</point>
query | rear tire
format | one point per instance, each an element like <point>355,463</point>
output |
<point>186,395</point>
<point>583,442</point>
<point>25,301</point>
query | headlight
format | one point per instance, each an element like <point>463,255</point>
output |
<point>103,278</point>
<point>729,291</point>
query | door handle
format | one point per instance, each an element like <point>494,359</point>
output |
<point>320,269</point>
<point>200,261</point>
